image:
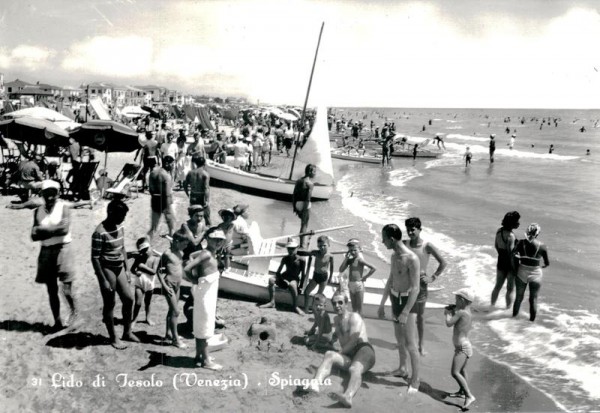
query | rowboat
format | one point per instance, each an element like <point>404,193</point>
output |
<point>254,286</point>
<point>315,151</point>
<point>356,157</point>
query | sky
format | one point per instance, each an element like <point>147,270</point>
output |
<point>381,53</point>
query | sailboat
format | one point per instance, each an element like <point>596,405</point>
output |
<point>315,151</point>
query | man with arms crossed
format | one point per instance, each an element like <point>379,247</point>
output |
<point>403,287</point>
<point>356,355</point>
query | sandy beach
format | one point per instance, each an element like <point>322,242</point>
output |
<point>77,370</point>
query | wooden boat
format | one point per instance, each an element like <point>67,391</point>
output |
<point>254,286</point>
<point>355,157</point>
<point>316,151</point>
<point>420,154</point>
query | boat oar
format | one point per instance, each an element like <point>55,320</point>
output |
<point>312,232</point>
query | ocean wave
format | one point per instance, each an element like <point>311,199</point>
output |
<point>401,176</point>
<point>467,137</point>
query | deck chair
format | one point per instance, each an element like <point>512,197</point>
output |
<point>126,182</point>
<point>81,182</point>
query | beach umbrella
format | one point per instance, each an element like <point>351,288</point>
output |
<point>106,136</point>
<point>288,117</point>
<point>34,131</point>
<point>153,113</point>
<point>133,111</point>
<point>39,113</point>
<point>294,112</point>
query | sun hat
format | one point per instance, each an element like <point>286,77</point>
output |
<point>50,184</point>
<point>352,241</point>
<point>142,243</point>
<point>493,135</point>
<point>239,209</point>
<point>291,244</point>
<point>217,234</point>
<point>226,211</point>
<point>465,293</point>
<point>192,209</point>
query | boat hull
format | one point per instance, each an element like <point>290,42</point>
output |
<point>356,158</point>
<point>259,184</point>
<point>255,287</point>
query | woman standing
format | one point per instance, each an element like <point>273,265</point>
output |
<point>530,253</point>
<point>505,268</point>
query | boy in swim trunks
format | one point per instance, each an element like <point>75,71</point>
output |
<point>356,355</point>
<point>459,316</point>
<point>203,272</point>
<point>109,260</point>
<point>403,289</point>
<point>144,268</point>
<point>289,279</point>
<point>356,264</point>
<point>320,334</point>
<point>322,270</point>
<point>423,250</point>
<point>171,265</point>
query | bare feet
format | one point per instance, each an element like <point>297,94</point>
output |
<point>457,394</point>
<point>342,399</point>
<point>267,305</point>
<point>422,351</point>
<point>468,402</point>
<point>412,390</point>
<point>179,344</point>
<point>118,344</point>
<point>313,387</point>
<point>150,322</point>
<point>298,310</point>
<point>58,325</point>
<point>130,337</point>
<point>72,318</point>
<point>399,372</point>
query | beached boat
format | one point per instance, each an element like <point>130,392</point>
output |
<point>355,157</point>
<point>254,286</point>
<point>420,154</point>
<point>316,151</point>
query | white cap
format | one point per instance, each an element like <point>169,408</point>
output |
<point>465,293</point>
<point>291,244</point>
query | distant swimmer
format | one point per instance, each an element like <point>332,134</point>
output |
<point>512,141</point>
<point>582,129</point>
<point>415,149</point>
<point>588,152</point>
<point>467,156</point>
<point>551,149</point>
<point>492,147</point>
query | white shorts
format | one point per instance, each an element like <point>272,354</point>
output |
<point>205,305</point>
<point>145,282</point>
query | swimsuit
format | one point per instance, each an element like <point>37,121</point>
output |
<point>359,347</point>
<point>399,300</point>
<point>528,273</point>
<point>320,277</point>
<point>356,286</point>
<point>466,348</point>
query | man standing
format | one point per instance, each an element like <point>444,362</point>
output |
<point>197,186</point>
<point>423,250</point>
<point>150,158</point>
<point>301,199</point>
<point>51,226</point>
<point>160,185</point>
<point>197,148</point>
<point>403,287</point>
<point>492,147</point>
<point>356,355</point>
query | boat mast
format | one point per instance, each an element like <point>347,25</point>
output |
<point>306,101</point>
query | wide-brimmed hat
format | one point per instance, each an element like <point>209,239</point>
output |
<point>352,241</point>
<point>226,211</point>
<point>291,244</point>
<point>192,209</point>
<point>239,209</point>
<point>465,293</point>
<point>50,184</point>
<point>217,234</point>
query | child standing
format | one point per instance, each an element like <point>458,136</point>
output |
<point>459,316</point>
<point>144,268</point>
<point>322,270</point>
<point>356,264</point>
<point>203,272</point>
<point>320,334</point>
<point>467,156</point>
<point>171,264</point>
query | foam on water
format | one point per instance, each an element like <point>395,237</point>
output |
<point>467,137</point>
<point>401,176</point>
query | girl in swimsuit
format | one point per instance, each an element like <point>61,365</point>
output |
<point>530,253</point>
<point>505,243</point>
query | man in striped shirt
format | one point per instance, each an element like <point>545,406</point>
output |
<point>109,260</point>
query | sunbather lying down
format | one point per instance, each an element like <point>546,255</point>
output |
<point>33,203</point>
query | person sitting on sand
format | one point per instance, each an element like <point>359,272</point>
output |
<point>203,272</point>
<point>530,253</point>
<point>423,250</point>
<point>355,262</point>
<point>51,226</point>
<point>295,268</point>
<point>356,354</point>
<point>459,317</point>
<point>109,260</point>
<point>144,269</point>
<point>171,264</point>
<point>323,269</point>
<point>194,229</point>
<point>320,334</point>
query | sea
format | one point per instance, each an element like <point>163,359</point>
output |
<point>462,207</point>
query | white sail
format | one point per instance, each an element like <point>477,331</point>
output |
<point>317,151</point>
